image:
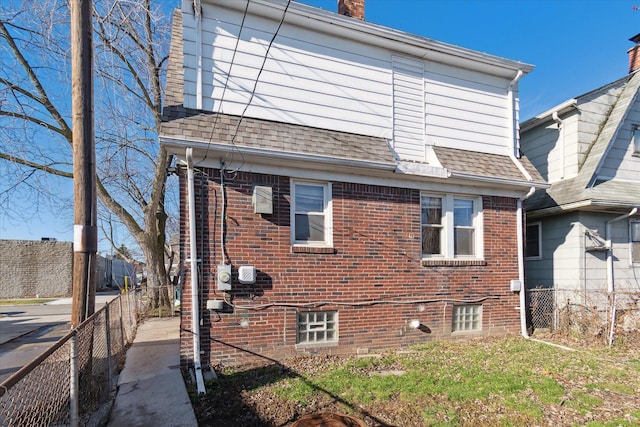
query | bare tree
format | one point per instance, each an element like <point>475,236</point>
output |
<point>131,45</point>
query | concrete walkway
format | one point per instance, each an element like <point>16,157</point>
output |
<point>151,390</point>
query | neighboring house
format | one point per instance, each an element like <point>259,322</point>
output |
<point>583,233</point>
<point>344,187</point>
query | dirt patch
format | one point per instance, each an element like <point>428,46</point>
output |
<point>248,396</point>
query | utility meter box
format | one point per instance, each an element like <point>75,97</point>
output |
<point>262,199</point>
<point>247,274</point>
<point>516,286</point>
<point>224,277</point>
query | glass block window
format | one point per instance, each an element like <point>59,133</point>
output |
<point>317,326</point>
<point>467,318</point>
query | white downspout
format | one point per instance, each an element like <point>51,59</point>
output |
<point>512,116</point>
<point>559,121</point>
<point>610,279</point>
<point>195,309</point>
<point>520,231</point>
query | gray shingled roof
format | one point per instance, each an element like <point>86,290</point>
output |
<point>484,164</point>
<point>195,126</point>
<point>582,188</point>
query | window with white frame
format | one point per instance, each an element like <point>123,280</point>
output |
<point>634,231</point>
<point>317,327</point>
<point>533,241</point>
<point>467,318</point>
<point>451,226</point>
<point>636,141</point>
<point>311,213</point>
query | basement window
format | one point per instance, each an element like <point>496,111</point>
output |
<point>467,318</point>
<point>317,327</point>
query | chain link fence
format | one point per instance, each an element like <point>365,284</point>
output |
<point>73,381</point>
<point>587,313</point>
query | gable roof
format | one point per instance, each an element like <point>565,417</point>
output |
<point>583,190</point>
<point>240,137</point>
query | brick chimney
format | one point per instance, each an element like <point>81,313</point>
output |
<point>634,54</point>
<point>352,8</point>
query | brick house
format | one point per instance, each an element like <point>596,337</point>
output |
<point>345,187</point>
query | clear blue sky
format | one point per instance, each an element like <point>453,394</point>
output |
<point>575,45</point>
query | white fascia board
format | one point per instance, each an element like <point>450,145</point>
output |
<point>496,180</point>
<point>377,35</point>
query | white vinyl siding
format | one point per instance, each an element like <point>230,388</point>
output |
<point>408,108</point>
<point>308,78</point>
<point>325,81</point>
<point>466,109</point>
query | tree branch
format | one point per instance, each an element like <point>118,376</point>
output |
<point>44,168</point>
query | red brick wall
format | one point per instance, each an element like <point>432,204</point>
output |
<point>376,266</point>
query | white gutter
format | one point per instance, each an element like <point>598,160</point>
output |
<point>195,310</point>
<point>520,231</point>
<point>610,281</point>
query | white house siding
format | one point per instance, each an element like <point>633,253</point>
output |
<point>466,109</point>
<point>620,162</point>
<point>325,81</point>
<point>561,254</point>
<point>553,151</point>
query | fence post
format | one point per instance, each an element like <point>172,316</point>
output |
<point>107,328</point>
<point>73,384</point>
<point>122,330</point>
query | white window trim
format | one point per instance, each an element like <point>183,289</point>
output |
<point>539,256</point>
<point>635,141</point>
<point>328,216</point>
<point>632,263</point>
<point>448,242</point>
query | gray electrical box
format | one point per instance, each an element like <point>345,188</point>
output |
<point>516,286</point>
<point>224,277</point>
<point>262,199</point>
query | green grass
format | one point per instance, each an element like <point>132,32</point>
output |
<point>504,381</point>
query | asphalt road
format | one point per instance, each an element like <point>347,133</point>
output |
<point>26,331</point>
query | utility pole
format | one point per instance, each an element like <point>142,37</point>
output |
<point>85,231</point>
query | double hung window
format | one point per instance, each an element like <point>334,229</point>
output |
<point>311,213</point>
<point>533,241</point>
<point>451,226</point>
<point>634,231</point>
